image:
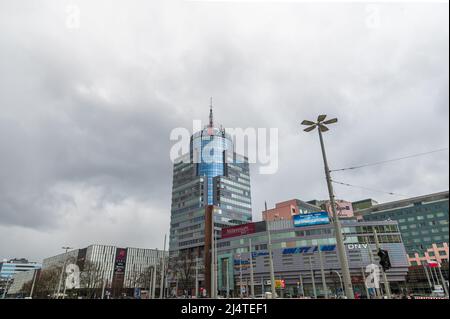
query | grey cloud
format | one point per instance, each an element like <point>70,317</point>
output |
<point>86,113</point>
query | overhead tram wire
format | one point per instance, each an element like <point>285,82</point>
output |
<point>370,189</point>
<point>388,161</point>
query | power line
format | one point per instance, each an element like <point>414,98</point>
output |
<point>370,189</point>
<point>390,160</point>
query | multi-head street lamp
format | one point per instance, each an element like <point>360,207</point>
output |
<point>321,125</point>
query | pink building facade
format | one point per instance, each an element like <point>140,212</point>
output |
<point>285,210</point>
<point>436,252</point>
<point>344,208</point>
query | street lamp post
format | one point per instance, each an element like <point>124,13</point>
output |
<point>387,287</point>
<point>35,274</point>
<point>424,269</point>
<point>321,125</point>
<point>196,277</point>
<point>240,276</point>
<point>340,279</point>
<point>313,281</point>
<point>213,287</point>
<point>272,272</point>
<point>228,280</point>
<point>322,271</point>
<point>252,285</point>
<point>163,270</point>
<point>301,285</point>
<point>62,270</point>
<point>155,269</point>
<point>444,284</point>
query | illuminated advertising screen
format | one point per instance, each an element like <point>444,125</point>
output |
<point>311,219</point>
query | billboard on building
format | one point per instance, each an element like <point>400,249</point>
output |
<point>311,219</point>
<point>343,208</point>
<point>239,230</point>
<point>120,261</point>
<point>280,284</point>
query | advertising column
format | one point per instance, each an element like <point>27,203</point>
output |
<point>119,271</point>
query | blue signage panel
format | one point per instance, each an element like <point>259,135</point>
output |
<point>308,249</point>
<point>318,218</point>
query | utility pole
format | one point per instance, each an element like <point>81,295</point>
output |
<point>444,284</point>
<point>150,275</point>
<point>240,276</point>
<point>369,251</point>
<point>163,270</point>
<point>428,276</point>
<point>154,278</point>
<point>364,280</point>
<point>272,272</point>
<point>301,285</point>
<point>213,256</point>
<point>103,288</point>
<point>324,283</point>
<point>196,277</point>
<point>340,279</point>
<point>262,286</point>
<point>252,285</point>
<point>34,281</point>
<point>228,280</point>
<point>313,281</point>
<point>337,225</point>
<point>364,274</point>
<point>216,270</point>
<point>387,287</point>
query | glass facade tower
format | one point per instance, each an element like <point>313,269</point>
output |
<point>210,174</point>
<point>208,147</point>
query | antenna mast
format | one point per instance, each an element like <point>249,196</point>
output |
<point>211,119</point>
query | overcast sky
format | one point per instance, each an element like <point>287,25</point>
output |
<point>86,109</point>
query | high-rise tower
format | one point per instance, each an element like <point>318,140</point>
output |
<point>210,174</point>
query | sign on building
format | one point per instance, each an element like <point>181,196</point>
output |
<point>311,219</point>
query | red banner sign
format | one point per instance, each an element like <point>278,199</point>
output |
<point>238,230</point>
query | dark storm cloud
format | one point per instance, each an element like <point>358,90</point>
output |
<point>86,112</point>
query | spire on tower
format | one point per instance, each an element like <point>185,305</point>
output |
<point>211,120</point>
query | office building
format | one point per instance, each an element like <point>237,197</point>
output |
<point>211,175</point>
<point>8,268</point>
<point>19,280</point>
<point>423,223</point>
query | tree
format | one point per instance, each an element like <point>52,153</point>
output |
<point>45,284</point>
<point>91,279</point>
<point>183,269</point>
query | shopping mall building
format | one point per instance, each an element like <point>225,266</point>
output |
<point>296,258</point>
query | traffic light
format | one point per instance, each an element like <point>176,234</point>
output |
<point>385,262</point>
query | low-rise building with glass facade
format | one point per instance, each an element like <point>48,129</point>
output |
<point>117,268</point>
<point>8,268</point>
<point>296,258</point>
<point>423,223</point>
